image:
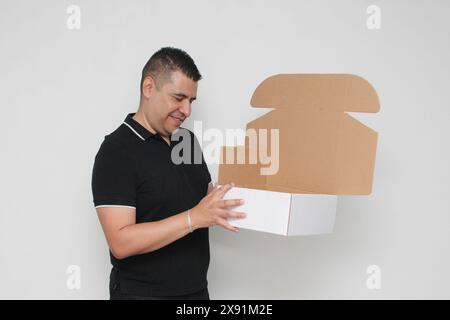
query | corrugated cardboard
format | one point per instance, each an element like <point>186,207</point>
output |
<point>322,150</point>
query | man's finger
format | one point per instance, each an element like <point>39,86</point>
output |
<point>224,223</point>
<point>223,189</point>
<point>212,191</point>
<point>216,188</point>
<point>211,187</point>
<point>236,214</point>
<point>225,203</point>
<point>227,214</point>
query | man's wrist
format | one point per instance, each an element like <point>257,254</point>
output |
<point>193,213</point>
<point>188,214</point>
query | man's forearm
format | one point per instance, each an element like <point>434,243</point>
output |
<point>146,237</point>
<point>150,236</point>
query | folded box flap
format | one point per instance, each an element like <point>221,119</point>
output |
<point>318,147</point>
<point>334,92</point>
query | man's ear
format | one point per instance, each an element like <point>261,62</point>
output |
<point>147,86</point>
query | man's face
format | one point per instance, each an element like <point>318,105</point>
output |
<point>168,106</point>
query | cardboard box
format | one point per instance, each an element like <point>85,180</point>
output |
<point>323,152</point>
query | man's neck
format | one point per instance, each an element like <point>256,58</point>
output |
<point>140,118</point>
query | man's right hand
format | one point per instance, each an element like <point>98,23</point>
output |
<point>213,209</point>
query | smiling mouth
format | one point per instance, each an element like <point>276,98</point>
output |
<point>179,120</point>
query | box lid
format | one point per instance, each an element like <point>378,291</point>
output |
<point>320,149</point>
<point>334,92</point>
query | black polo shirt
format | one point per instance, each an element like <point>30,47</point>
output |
<point>134,168</point>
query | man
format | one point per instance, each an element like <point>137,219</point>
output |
<point>154,211</point>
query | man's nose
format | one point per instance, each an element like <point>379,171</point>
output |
<point>186,108</point>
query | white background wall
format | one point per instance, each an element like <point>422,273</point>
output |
<point>62,90</point>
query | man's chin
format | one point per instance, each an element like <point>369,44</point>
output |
<point>173,124</point>
<point>171,129</point>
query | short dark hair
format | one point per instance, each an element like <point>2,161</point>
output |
<point>167,60</point>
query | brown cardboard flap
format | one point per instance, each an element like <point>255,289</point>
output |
<point>339,92</point>
<point>321,148</point>
<point>241,174</point>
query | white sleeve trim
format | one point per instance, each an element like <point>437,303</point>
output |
<point>114,205</point>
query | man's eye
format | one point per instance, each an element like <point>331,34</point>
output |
<point>178,99</point>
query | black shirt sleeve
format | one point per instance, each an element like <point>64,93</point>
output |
<point>113,177</point>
